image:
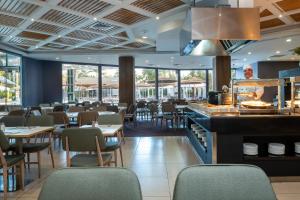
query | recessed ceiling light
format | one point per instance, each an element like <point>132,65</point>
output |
<point>245,59</point>
<point>89,58</point>
<point>172,57</point>
<point>59,36</point>
<point>76,46</point>
<point>289,40</point>
<point>10,36</point>
<point>220,14</point>
<point>249,53</point>
<point>57,58</point>
<point>157,17</point>
<point>278,52</point>
<point>144,37</point>
<point>32,19</point>
<point>293,58</point>
<point>36,46</point>
<point>280,16</point>
<point>269,59</point>
<point>95,18</point>
<point>146,61</point>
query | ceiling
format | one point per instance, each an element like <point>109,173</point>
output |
<point>98,31</point>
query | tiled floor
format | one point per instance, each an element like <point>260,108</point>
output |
<point>156,161</point>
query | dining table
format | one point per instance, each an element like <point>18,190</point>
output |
<point>26,132</point>
<point>107,130</point>
<point>101,113</point>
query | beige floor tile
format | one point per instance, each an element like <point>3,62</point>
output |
<point>155,187</point>
<point>287,187</point>
<point>288,196</point>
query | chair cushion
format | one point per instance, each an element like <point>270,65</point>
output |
<point>13,159</point>
<point>87,160</point>
<point>112,145</point>
<point>31,147</point>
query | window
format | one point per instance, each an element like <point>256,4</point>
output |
<point>110,84</point>
<point>210,80</point>
<point>167,84</point>
<point>80,83</point>
<point>193,84</point>
<point>10,79</point>
<point>145,84</point>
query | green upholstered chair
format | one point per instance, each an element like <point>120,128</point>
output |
<point>13,121</point>
<point>37,147</point>
<point>85,140</point>
<point>19,112</point>
<point>113,144</point>
<point>223,182</point>
<point>87,118</point>
<point>91,184</point>
<point>9,161</point>
<point>61,121</point>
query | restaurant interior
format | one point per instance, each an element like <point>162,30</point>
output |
<point>150,99</point>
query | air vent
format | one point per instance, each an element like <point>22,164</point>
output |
<point>102,26</point>
<point>232,46</point>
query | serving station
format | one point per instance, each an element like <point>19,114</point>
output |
<point>249,132</point>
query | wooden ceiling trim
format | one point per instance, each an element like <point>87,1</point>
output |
<point>32,35</point>
<point>122,34</point>
<point>38,26</point>
<point>6,30</point>
<point>157,7</point>
<point>22,41</point>
<point>271,23</point>
<point>67,41</point>
<point>125,16</point>
<point>296,17</point>
<point>83,35</point>
<point>288,5</point>
<point>136,45</point>
<point>10,20</point>
<point>111,40</point>
<point>266,13</point>
<point>17,7</point>
<point>62,18</point>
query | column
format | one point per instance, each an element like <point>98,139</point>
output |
<point>126,80</point>
<point>222,71</point>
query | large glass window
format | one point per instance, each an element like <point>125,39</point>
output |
<point>145,84</point>
<point>210,80</point>
<point>167,84</point>
<point>10,79</point>
<point>193,84</point>
<point>80,83</point>
<point>110,84</point>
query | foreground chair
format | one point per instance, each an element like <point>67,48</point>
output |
<point>13,121</point>
<point>91,184</point>
<point>85,140</point>
<point>9,161</point>
<point>223,182</point>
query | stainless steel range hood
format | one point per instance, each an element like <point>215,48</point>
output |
<point>219,31</point>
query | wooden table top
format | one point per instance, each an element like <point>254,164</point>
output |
<point>75,114</point>
<point>107,130</point>
<point>26,132</point>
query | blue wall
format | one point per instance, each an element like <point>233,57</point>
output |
<point>42,81</point>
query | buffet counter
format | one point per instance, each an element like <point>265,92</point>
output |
<point>219,132</point>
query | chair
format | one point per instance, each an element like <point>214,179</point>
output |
<point>100,108</point>
<point>154,113</point>
<point>83,140</point>
<point>61,121</point>
<point>17,113</point>
<point>91,184</point>
<point>29,148</point>
<point>3,108</point>
<point>130,114</point>
<point>141,109</point>
<point>223,182</point>
<point>115,119</point>
<point>87,118</point>
<point>13,121</point>
<point>36,110</point>
<point>9,161</point>
<point>112,109</point>
<point>45,105</point>
<point>96,104</point>
<point>58,108</point>
<point>76,109</point>
<point>169,113</point>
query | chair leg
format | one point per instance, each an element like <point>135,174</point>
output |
<point>116,158</point>
<point>121,156</point>
<point>51,155</point>
<point>39,163</point>
<point>22,174</point>
<point>5,182</point>
<point>28,161</point>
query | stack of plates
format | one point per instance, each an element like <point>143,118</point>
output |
<point>297,147</point>
<point>250,149</point>
<point>276,148</point>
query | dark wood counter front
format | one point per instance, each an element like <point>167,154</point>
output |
<point>225,135</point>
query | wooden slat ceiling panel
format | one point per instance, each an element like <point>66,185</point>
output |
<point>136,45</point>
<point>55,46</point>
<point>5,30</point>
<point>157,7</point>
<point>95,46</point>
<point>122,34</point>
<point>38,26</point>
<point>17,7</point>
<point>22,41</point>
<point>101,27</point>
<point>90,7</point>
<point>288,5</point>
<point>126,16</point>
<point>23,46</point>
<point>271,23</point>
<point>83,35</point>
<point>9,20</point>
<point>33,35</point>
<point>62,18</point>
<point>67,41</point>
<point>296,17</point>
<point>111,40</point>
<point>265,13</point>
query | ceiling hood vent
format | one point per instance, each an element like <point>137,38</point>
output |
<point>218,31</point>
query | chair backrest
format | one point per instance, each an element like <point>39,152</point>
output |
<point>167,107</point>
<point>87,118</point>
<point>3,108</point>
<point>82,139</point>
<point>96,104</point>
<point>20,112</point>
<point>4,143</point>
<point>45,105</point>
<point>76,109</point>
<point>112,109</point>
<point>100,108</point>
<point>58,108</point>
<point>12,121</point>
<point>91,184</point>
<point>141,104</point>
<point>59,117</point>
<point>45,120</point>
<point>223,182</point>
<point>113,119</point>
<point>153,108</point>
